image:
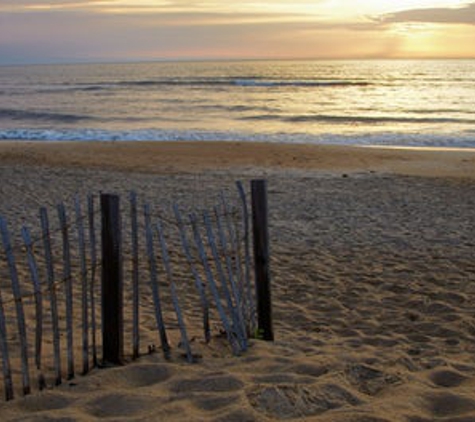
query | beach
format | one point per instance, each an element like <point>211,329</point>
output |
<point>372,271</point>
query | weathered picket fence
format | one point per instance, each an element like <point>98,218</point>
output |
<point>174,273</point>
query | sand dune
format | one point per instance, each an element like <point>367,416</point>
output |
<point>373,277</point>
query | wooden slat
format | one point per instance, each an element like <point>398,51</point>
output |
<point>92,283</point>
<point>212,284</point>
<point>154,283</point>
<point>6,367</point>
<point>135,276</point>
<point>262,258</point>
<point>84,286</point>
<point>52,294</point>
<point>33,267</point>
<point>236,294</point>
<point>112,281</point>
<point>233,240</point>
<point>18,305</point>
<point>176,305</point>
<point>251,306</point>
<point>68,289</point>
<point>198,281</point>
<point>233,312</point>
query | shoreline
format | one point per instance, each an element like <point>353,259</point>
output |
<point>419,148</point>
<point>164,157</point>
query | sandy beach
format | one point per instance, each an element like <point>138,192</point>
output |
<point>373,276</point>
<point>192,157</point>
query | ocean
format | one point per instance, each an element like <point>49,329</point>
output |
<point>427,103</point>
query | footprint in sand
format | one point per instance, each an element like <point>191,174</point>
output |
<point>218,383</point>
<point>212,394</point>
<point>369,380</point>
<point>122,405</point>
<point>212,402</point>
<point>46,418</point>
<point>309,370</point>
<point>351,416</point>
<point>137,376</point>
<point>240,415</point>
<point>450,405</point>
<point>280,378</point>
<point>46,401</point>
<point>447,378</point>
<point>295,401</point>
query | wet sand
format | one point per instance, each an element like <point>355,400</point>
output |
<point>166,157</point>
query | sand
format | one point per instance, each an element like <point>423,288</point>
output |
<point>190,157</point>
<point>373,275</point>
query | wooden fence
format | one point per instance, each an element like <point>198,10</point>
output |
<point>174,274</point>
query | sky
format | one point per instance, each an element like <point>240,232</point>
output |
<point>69,31</point>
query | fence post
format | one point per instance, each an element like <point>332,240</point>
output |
<point>112,288</point>
<point>261,259</point>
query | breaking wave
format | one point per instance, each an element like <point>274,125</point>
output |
<point>466,140</point>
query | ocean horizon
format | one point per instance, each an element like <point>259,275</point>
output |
<point>402,103</point>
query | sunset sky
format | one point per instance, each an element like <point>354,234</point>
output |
<point>40,31</point>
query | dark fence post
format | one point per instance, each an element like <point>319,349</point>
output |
<point>112,294</point>
<point>261,259</point>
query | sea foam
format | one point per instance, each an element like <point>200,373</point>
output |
<point>386,139</point>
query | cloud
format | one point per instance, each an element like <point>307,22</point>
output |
<point>166,13</point>
<point>441,15</point>
<point>21,4</point>
<point>96,30</point>
<point>39,6</point>
<point>130,5</point>
<point>80,36</point>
